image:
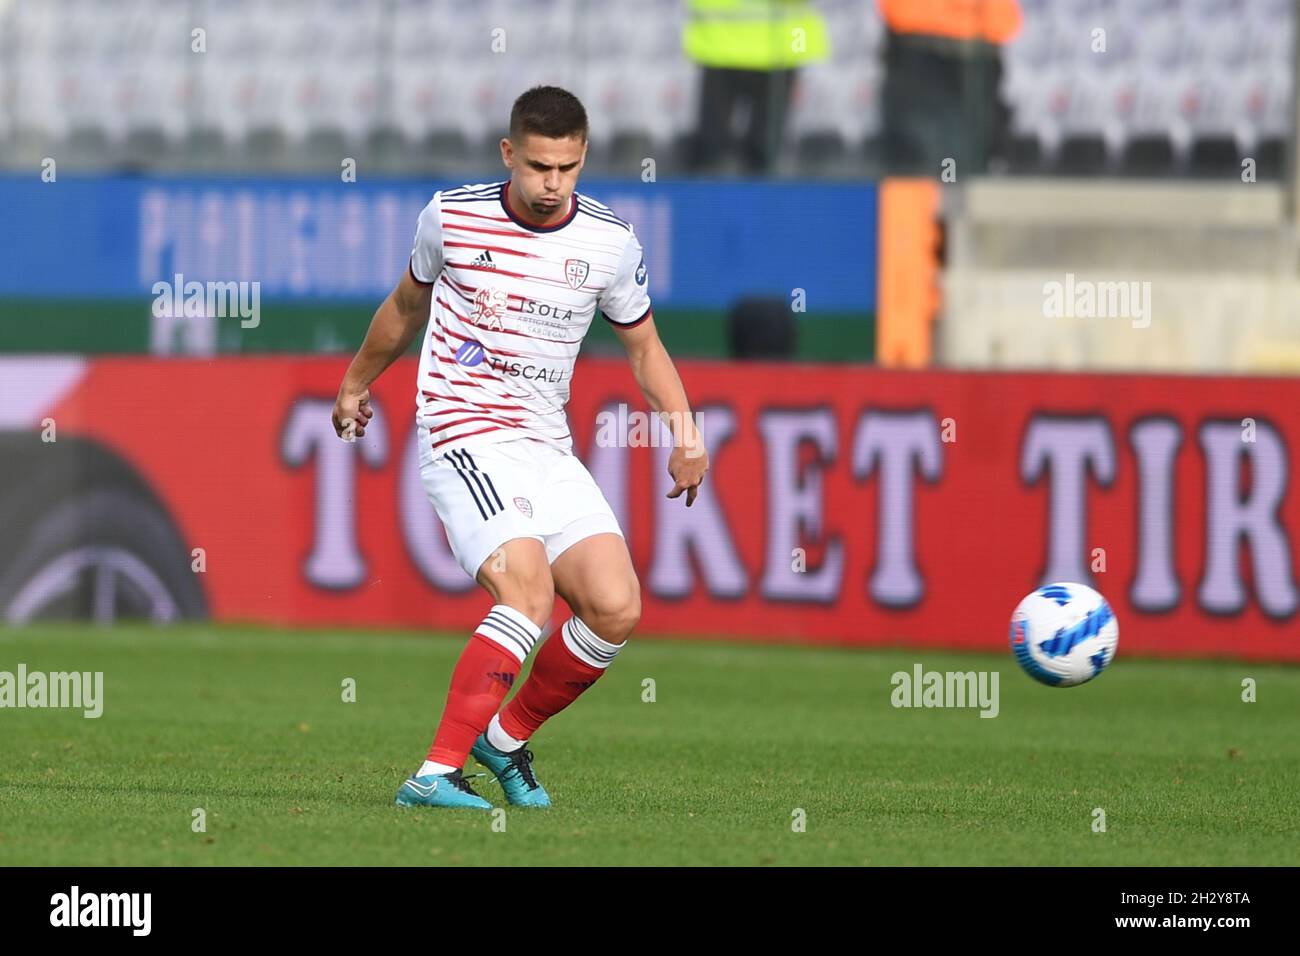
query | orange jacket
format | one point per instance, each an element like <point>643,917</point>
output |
<point>994,21</point>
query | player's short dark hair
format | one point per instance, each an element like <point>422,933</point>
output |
<point>548,111</point>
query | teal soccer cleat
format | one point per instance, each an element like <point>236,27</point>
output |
<point>440,790</point>
<point>514,771</point>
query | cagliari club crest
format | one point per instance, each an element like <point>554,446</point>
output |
<point>575,272</point>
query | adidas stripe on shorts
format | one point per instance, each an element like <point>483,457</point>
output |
<point>487,494</point>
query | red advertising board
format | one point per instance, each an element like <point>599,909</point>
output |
<point>844,505</point>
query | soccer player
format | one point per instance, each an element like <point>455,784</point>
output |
<point>508,277</point>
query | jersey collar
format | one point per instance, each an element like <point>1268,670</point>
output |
<point>533,227</point>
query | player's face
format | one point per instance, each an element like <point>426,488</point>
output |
<point>544,172</point>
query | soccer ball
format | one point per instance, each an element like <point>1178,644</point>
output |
<point>1064,634</point>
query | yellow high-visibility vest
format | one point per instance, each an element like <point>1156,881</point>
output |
<point>754,34</point>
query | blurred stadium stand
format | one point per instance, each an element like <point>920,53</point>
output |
<point>1184,86</point>
<point>296,84</point>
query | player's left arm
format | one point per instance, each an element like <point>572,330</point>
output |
<point>663,390</point>
<point>625,303</point>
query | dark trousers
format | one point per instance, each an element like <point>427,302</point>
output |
<point>941,101</point>
<point>764,95</point>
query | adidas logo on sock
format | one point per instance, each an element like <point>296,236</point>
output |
<point>484,261</point>
<point>504,677</point>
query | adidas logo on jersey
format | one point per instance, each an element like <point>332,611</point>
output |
<point>484,261</point>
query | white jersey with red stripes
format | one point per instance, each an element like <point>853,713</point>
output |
<point>511,304</point>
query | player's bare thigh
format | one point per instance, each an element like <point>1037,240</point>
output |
<point>596,579</point>
<point>518,574</point>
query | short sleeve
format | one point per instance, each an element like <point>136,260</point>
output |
<point>625,301</point>
<point>426,257</point>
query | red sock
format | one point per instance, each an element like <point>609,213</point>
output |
<point>555,682</point>
<point>482,678</point>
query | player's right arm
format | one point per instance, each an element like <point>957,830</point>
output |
<point>397,321</point>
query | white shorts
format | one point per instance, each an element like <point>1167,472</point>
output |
<point>487,494</point>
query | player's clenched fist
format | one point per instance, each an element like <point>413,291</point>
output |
<point>352,412</point>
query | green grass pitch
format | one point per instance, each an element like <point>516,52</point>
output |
<point>250,726</point>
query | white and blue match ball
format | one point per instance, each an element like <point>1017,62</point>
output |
<point>1064,634</point>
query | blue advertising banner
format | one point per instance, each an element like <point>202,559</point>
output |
<point>707,243</point>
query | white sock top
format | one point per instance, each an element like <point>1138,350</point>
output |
<point>587,646</point>
<point>511,629</point>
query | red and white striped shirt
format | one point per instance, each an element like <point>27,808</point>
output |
<point>511,304</point>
